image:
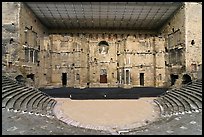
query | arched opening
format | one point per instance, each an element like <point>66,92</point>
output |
<point>20,79</point>
<point>186,79</point>
<point>31,76</point>
<point>103,47</point>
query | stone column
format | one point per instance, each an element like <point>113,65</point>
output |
<point>33,56</point>
<point>28,55</point>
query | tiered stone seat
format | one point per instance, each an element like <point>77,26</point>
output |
<point>24,99</point>
<point>179,101</point>
<point>178,106</point>
<point>51,106</point>
<point>191,99</point>
<point>183,104</point>
<point>194,90</point>
<point>8,96</point>
<point>10,87</point>
<point>26,106</point>
<point>170,105</point>
<point>10,103</point>
<point>165,106</point>
<point>37,105</point>
<point>21,103</point>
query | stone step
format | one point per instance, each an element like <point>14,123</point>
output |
<point>184,106</point>
<point>19,104</point>
<point>45,105</point>
<point>26,105</point>
<point>198,97</point>
<point>11,88</point>
<point>197,82</point>
<point>10,101</point>
<point>194,104</point>
<point>8,84</point>
<point>166,105</point>
<point>9,94</point>
<point>195,90</point>
<point>14,91</point>
<point>40,104</point>
<point>159,105</point>
<point>51,107</point>
<point>9,81</point>
<point>196,85</point>
<point>36,103</point>
<point>174,103</point>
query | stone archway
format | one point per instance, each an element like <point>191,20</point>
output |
<point>186,79</point>
<point>20,79</point>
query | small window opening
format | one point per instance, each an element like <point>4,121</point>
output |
<point>192,42</point>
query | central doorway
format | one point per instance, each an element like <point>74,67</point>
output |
<point>142,79</point>
<point>103,76</point>
<point>64,79</point>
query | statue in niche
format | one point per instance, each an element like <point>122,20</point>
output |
<point>103,47</point>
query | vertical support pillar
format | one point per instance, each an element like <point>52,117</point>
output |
<point>154,62</point>
<point>125,76</point>
<point>28,55</point>
<point>129,78</point>
<point>33,56</point>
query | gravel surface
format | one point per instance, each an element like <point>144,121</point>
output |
<point>25,124</point>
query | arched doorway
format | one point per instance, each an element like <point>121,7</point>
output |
<point>20,79</point>
<point>186,79</point>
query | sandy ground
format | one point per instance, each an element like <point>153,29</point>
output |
<point>112,113</point>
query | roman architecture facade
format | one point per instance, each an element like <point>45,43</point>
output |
<point>99,58</point>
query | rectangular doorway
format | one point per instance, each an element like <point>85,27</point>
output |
<point>31,76</point>
<point>142,79</point>
<point>173,79</point>
<point>103,76</point>
<point>127,76</point>
<point>64,79</point>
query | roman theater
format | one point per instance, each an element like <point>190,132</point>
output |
<point>101,68</point>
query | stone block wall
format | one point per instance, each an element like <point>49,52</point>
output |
<point>182,35</point>
<point>97,59</point>
<point>193,21</point>
<point>120,63</point>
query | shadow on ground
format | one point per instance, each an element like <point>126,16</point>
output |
<point>104,93</point>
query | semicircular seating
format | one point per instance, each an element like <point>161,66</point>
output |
<point>182,100</point>
<point>20,98</point>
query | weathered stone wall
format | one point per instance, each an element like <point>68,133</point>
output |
<point>23,36</point>
<point>10,33</point>
<point>31,38</point>
<point>84,60</point>
<point>183,41</point>
<point>193,21</point>
<point>174,33</point>
<point>128,59</point>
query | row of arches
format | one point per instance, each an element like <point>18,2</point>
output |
<point>185,79</point>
